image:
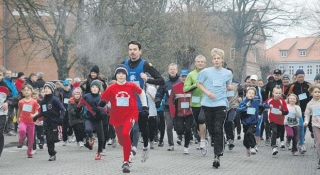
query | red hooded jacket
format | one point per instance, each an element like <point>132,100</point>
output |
<point>179,101</point>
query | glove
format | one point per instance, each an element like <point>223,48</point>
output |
<point>60,121</point>
<point>96,110</point>
<point>145,111</point>
<point>35,118</point>
<point>158,104</point>
<point>102,103</point>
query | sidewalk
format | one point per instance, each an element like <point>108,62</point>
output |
<point>10,141</point>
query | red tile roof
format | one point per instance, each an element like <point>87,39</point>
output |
<point>293,46</point>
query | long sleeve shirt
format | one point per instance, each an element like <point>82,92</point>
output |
<point>313,109</point>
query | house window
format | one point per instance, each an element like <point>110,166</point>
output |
<point>291,70</point>
<point>317,69</point>
<point>300,67</point>
<point>303,53</point>
<point>282,69</point>
<point>284,53</point>
<point>309,70</point>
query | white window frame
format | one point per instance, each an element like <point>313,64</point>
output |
<point>284,53</point>
<point>309,70</point>
<point>302,53</point>
<point>291,70</point>
<point>318,69</point>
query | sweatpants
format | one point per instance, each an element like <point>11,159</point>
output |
<point>301,132</point>
<point>276,130</point>
<point>293,134</point>
<point>316,132</point>
<point>266,124</point>
<point>169,124</point>
<point>258,126</point>
<point>237,123</point>
<point>95,125</point>
<point>123,134</point>
<point>249,131</point>
<point>51,132</point>
<point>79,131</point>
<point>39,133</point>
<point>152,123</point>
<point>161,124</point>
<point>26,130</point>
<point>215,117</point>
<point>229,123</point>
<point>182,126</point>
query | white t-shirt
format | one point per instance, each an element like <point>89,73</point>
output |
<point>152,106</point>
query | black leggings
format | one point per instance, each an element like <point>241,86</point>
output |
<point>96,125</point>
<point>152,122</point>
<point>161,124</point>
<point>79,131</point>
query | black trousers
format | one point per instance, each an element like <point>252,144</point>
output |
<point>51,132</point>
<point>161,124</point>
<point>237,123</point>
<point>79,131</point>
<point>277,131</point>
<point>95,125</point>
<point>2,125</point>
<point>66,128</point>
<point>182,125</point>
<point>152,123</point>
<point>108,130</point>
<point>249,141</point>
<point>229,123</point>
<point>215,117</point>
<point>39,133</point>
<point>266,124</point>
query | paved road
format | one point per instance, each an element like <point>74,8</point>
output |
<point>74,161</point>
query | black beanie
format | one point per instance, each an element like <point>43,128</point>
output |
<point>121,68</point>
<point>20,74</point>
<point>95,69</point>
<point>96,83</point>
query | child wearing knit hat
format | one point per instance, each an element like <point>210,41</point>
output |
<point>93,115</point>
<point>124,110</point>
<point>317,79</point>
<point>75,116</point>
<point>53,112</point>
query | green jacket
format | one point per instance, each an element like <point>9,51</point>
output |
<point>191,85</point>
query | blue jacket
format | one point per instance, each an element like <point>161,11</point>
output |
<point>248,119</point>
<point>11,86</point>
<point>93,100</point>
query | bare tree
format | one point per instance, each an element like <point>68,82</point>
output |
<point>50,24</point>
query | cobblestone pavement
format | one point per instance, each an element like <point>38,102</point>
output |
<point>74,161</point>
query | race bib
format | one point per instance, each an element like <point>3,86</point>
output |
<point>66,100</point>
<point>291,115</point>
<point>316,112</point>
<point>302,96</point>
<point>184,105</point>
<point>27,108</point>
<point>122,101</point>
<point>274,111</point>
<point>195,99</point>
<point>44,108</point>
<point>251,111</point>
<point>217,82</point>
<point>230,93</point>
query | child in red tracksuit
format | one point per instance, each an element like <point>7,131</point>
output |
<point>278,109</point>
<point>180,109</point>
<point>124,109</point>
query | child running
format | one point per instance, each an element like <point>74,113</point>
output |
<point>27,109</point>
<point>313,109</point>
<point>291,122</point>
<point>278,108</point>
<point>53,112</point>
<point>124,109</point>
<point>249,109</point>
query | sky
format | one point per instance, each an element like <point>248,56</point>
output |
<point>301,30</point>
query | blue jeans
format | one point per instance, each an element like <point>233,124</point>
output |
<point>301,131</point>
<point>135,134</point>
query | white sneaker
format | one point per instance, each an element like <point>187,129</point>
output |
<point>103,153</point>
<point>253,151</point>
<point>282,144</point>
<point>274,151</point>
<point>64,143</point>
<point>151,145</point>
<point>114,143</point>
<point>81,145</point>
<point>134,148</point>
<point>185,150</point>
<point>110,142</point>
<point>34,152</point>
<point>303,149</point>
<point>202,144</point>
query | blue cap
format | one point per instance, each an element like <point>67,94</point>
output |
<point>184,72</point>
<point>65,83</point>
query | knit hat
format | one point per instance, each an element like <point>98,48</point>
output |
<point>95,83</point>
<point>317,77</point>
<point>77,90</point>
<point>121,68</point>
<point>50,85</point>
<point>20,74</point>
<point>95,69</point>
<point>299,71</point>
<point>65,83</point>
<point>286,76</point>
